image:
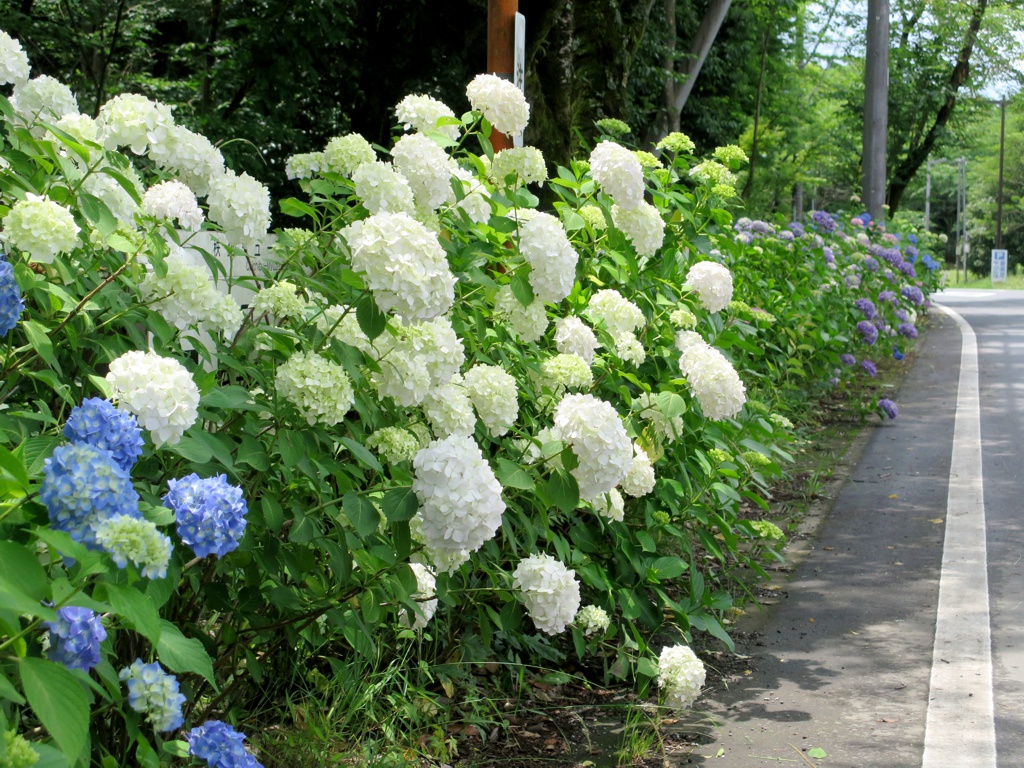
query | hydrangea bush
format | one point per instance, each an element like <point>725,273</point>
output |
<point>227,457</point>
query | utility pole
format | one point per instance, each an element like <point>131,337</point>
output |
<point>999,194</point>
<point>876,108</point>
<point>928,194</point>
<point>501,36</point>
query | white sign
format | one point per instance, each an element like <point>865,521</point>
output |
<point>998,265</point>
<point>519,65</point>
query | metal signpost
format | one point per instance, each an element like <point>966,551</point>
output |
<point>998,265</point>
<point>519,65</point>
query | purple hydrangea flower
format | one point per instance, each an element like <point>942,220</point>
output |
<point>797,228</point>
<point>75,638</point>
<point>11,303</point>
<point>762,228</point>
<point>866,306</point>
<point>98,423</point>
<point>907,269</point>
<point>154,693</point>
<point>887,297</point>
<point>913,294</point>
<point>82,487</point>
<point>830,257</point>
<point>868,332</point>
<point>210,513</point>
<point>744,238</point>
<point>888,275</point>
<point>869,368</point>
<point>908,330</point>
<point>911,253</point>
<point>870,264</point>
<point>889,407</point>
<point>847,359</point>
<point>220,746</point>
<point>786,236</point>
<point>823,221</point>
<point>853,281</point>
<point>912,238</point>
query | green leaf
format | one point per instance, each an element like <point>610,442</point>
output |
<point>511,475</point>
<point>522,289</point>
<point>136,609</point>
<point>176,748</point>
<point>98,213</point>
<point>371,320</point>
<point>252,453</point>
<point>121,244</point>
<point>40,342</point>
<point>21,568</point>
<point>361,513</point>
<point>670,404</point>
<point>49,757</point>
<point>817,753</point>
<point>232,398</point>
<point>562,491</point>
<point>362,453</point>
<point>193,450</point>
<point>668,567</point>
<point>59,702</point>
<point>14,467</point>
<point>182,654</point>
<point>645,665</point>
<point>296,208</point>
<point>9,692</point>
<point>399,504</point>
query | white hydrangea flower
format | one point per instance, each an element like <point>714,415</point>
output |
<point>14,66</point>
<point>403,264</point>
<point>113,195</point>
<point>175,201</point>
<point>713,283</point>
<point>550,592</point>
<point>629,349</point>
<point>344,154</point>
<point>421,113</point>
<point>128,538</point>
<point>529,323</point>
<point>394,444</point>
<point>280,300</point>
<point>593,620</point>
<point>647,408</point>
<point>501,102</point>
<point>415,358</point>
<point>683,318</point>
<point>383,189</point>
<point>42,98</point>
<point>567,371</point>
<point>598,438</point>
<point>618,314</point>
<point>241,206</point>
<point>40,228</point>
<point>476,206</point>
<point>552,259</point>
<point>190,156</point>
<point>680,675</point>
<point>81,127</point>
<point>223,315</point>
<point>594,216</point>
<point>449,409</point>
<point>610,505</point>
<point>319,389</point>
<point>158,390</point>
<point>639,478</point>
<point>619,173</point>
<point>495,395</point>
<point>341,323</point>
<point>427,168</point>
<point>426,584</point>
<point>186,296</point>
<point>642,226</point>
<point>525,163</point>
<point>712,379</point>
<point>304,165</point>
<point>574,337</point>
<point>460,498</point>
<point>133,121</point>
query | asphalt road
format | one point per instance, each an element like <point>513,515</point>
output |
<point>845,662</point>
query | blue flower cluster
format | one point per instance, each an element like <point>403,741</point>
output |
<point>870,264</point>
<point>847,359</point>
<point>154,693</point>
<point>210,513</point>
<point>930,263</point>
<point>868,332</point>
<point>82,487</point>
<point>866,306</point>
<point>11,303</point>
<point>98,423</point>
<point>913,294</point>
<point>869,368</point>
<point>909,330</point>
<point>897,353</point>
<point>75,638</point>
<point>823,220</point>
<point>797,228</point>
<point>889,407</point>
<point>220,746</point>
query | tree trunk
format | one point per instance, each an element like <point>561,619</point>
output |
<point>677,93</point>
<point>757,118</point>
<point>918,154</point>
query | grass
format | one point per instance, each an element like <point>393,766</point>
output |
<point>1013,281</point>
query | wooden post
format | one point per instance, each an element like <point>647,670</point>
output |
<point>501,37</point>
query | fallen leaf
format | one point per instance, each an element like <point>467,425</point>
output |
<point>748,672</point>
<point>811,620</point>
<point>937,521</point>
<point>894,495</point>
<point>885,720</point>
<point>817,753</point>
<point>828,549</point>
<point>720,752</point>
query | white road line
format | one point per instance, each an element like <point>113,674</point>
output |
<point>960,728</point>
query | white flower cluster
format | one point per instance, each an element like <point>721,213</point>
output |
<point>642,226</point>
<point>40,228</point>
<point>460,498</point>
<point>449,409</point>
<point>680,675</point>
<point>158,390</point>
<point>594,216</point>
<point>394,444</point>
<point>529,323</point>
<point>304,165</point>
<point>525,163</point>
<point>133,121</point>
<point>426,584</point>
<point>280,300</point>
<point>629,349</point>
<point>618,314</point>
<point>567,371</point>
<point>82,128</point>
<point>421,113</point>
<point>713,284</point>
<point>42,98</point>
<point>415,359</point>
<point>639,478</point>
<point>241,206</point>
<point>549,590</point>
<point>427,168</point>
<point>552,259</point>
<point>173,200</point>
<point>118,199</point>
<point>318,388</point>
<point>344,154</point>
<point>190,156</point>
<point>712,379</point>
<point>495,395</point>
<point>598,438</point>
<point>611,506</point>
<point>574,337</point>
<point>187,296</point>
<point>14,66</point>
<point>404,265</point>
<point>501,102</point>
<point>383,189</point>
<point>476,206</point>
<point>683,318</point>
<point>593,620</point>
<point>619,173</point>
<point>647,408</point>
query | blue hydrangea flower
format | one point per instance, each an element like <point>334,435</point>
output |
<point>911,253</point>
<point>823,221</point>
<point>154,693</point>
<point>889,407</point>
<point>847,359</point>
<point>220,746</point>
<point>913,294</point>
<point>98,423</point>
<point>11,303</point>
<point>930,263</point>
<point>210,513</point>
<point>75,638</point>
<point>897,353</point>
<point>82,487</point>
<point>870,264</point>
<point>830,257</point>
<point>786,236</point>
<point>912,238</point>
<point>865,217</point>
<point>869,368</point>
<point>867,307</point>
<point>907,269</point>
<point>797,228</point>
<point>868,332</point>
<point>908,330</point>
<point>887,297</point>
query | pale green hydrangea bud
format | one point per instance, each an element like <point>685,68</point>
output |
<point>731,156</point>
<point>593,620</point>
<point>719,456</point>
<point>40,228</point>
<point>767,530</point>
<point>780,421</point>
<point>344,154</point>
<point>683,318</point>
<point>568,370</point>
<point>613,126</point>
<point>647,160</point>
<point>756,459</point>
<point>18,752</point>
<point>127,538</point>
<point>677,142</point>
<point>318,388</point>
<point>394,444</point>
<point>280,301</point>
<point>594,217</point>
